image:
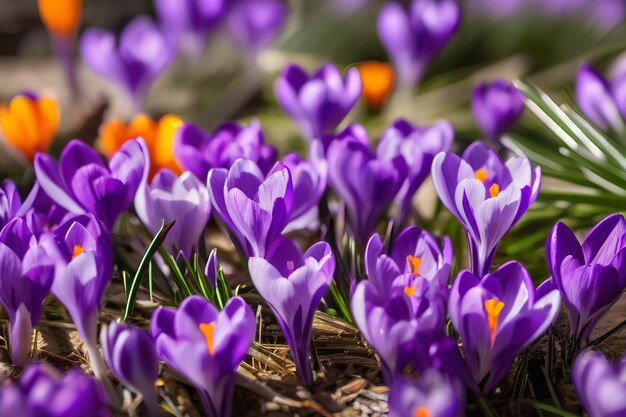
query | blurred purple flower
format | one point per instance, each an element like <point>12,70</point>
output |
<point>487,196</point>
<point>255,209</point>
<point>198,151</point>
<point>418,146</point>
<point>254,24</point>
<point>415,252</point>
<point>42,215</point>
<point>496,106</point>
<point>318,102</point>
<point>135,62</point>
<point>81,183</point>
<point>184,199</point>
<point>190,21</point>
<point>367,184</point>
<point>10,202</point>
<point>130,355</point>
<point>431,395</point>
<point>293,285</point>
<point>415,35</point>
<point>27,273</point>
<point>595,99</point>
<point>205,346</point>
<point>591,277</point>
<point>43,391</point>
<point>497,317</point>
<point>601,386</point>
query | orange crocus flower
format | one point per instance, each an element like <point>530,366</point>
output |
<point>377,79</point>
<point>159,137</point>
<point>61,17</point>
<point>29,124</point>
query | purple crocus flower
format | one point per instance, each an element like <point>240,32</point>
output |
<point>198,151</point>
<point>130,355</point>
<point>591,277</point>
<point>431,395</point>
<point>601,386</point>
<point>293,285</point>
<point>43,391</point>
<point>254,24</point>
<point>414,251</point>
<point>135,62</point>
<point>415,35</point>
<point>184,199</point>
<point>366,183</point>
<point>418,146</point>
<point>595,99</point>
<point>309,178</point>
<point>205,346</point>
<point>487,196</point>
<point>496,106</point>
<point>81,183</point>
<point>497,317</point>
<point>10,202</point>
<point>318,102</point>
<point>27,273</point>
<point>83,256</point>
<point>210,269</point>
<point>190,21</point>
<point>255,209</point>
<point>42,215</point>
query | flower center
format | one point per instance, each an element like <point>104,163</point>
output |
<point>481,175</point>
<point>207,330</point>
<point>415,263</point>
<point>493,307</point>
<point>422,412</point>
<point>494,190</point>
<point>78,249</point>
<point>409,291</point>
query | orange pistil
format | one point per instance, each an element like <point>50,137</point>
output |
<point>481,175</point>
<point>29,124</point>
<point>208,330</point>
<point>415,263</point>
<point>409,291</point>
<point>377,79</point>
<point>78,249</point>
<point>493,307</point>
<point>494,190</point>
<point>421,412</point>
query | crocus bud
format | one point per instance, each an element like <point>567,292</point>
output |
<point>431,395</point>
<point>595,100</point>
<point>142,54</point>
<point>481,191</point>
<point>254,24</point>
<point>591,277</point>
<point>10,202</point>
<point>496,106</point>
<point>318,102</point>
<point>61,17</point>
<point>600,385</point>
<point>29,124</point>
<point>377,79</point>
<point>130,355</point>
<point>158,136</point>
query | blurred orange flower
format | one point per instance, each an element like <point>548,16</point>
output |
<point>29,124</point>
<point>159,137</point>
<point>61,17</point>
<point>378,80</point>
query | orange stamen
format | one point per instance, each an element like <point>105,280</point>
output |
<point>415,263</point>
<point>409,291</point>
<point>493,307</point>
<point>481,175</point>
<point>208,330</point>
<point>78,249</point>
<point>422,412</point>
<point>377,79</point>
<point>494,190</point>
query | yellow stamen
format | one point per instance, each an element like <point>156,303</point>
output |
<point>159,383</point>
<point>494,190</point>
<point>78,249</point>
<point>493,307</point>
<point>481,175</point>
<point>415,263</point>
<point>422,412</point>
<point>409,291</point>
<point>207,330</point>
